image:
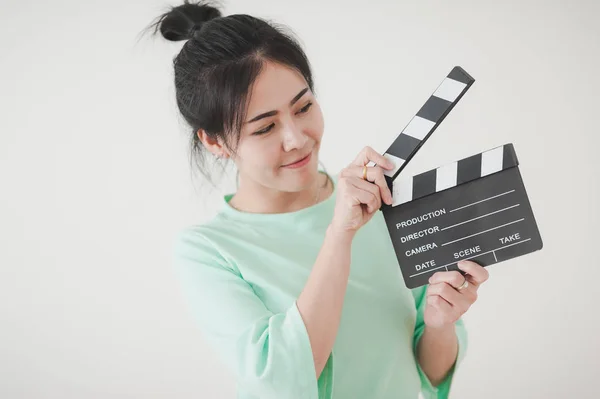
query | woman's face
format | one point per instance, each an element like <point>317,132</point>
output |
<point>280,139</point>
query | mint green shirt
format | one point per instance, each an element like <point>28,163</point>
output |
<point>242,273</point>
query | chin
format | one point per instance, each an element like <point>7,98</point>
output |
<point>300,179</point>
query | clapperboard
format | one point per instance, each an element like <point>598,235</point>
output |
<point>476,208</point>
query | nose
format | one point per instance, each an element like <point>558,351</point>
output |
<point>293,137</point>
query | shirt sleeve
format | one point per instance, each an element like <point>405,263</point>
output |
<point>442,390</point>
<point>269,353</point>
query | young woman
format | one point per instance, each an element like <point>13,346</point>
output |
<point>295,282</point>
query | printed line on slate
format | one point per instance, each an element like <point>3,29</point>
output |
<point>471,257</point>
<point>485,231</point>
<point>483,200</point>
<point>479,217</point>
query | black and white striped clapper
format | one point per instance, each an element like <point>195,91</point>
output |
<point>426,121</point>
<point>476,208</point>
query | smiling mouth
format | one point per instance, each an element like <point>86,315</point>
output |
<point>298,162</point>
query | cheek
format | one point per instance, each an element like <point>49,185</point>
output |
<point>316,125</point>
<point>258,154</point>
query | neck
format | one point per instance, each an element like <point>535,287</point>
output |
<point>259,199</point>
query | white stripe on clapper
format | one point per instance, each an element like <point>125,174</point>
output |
<point>491,161</point>
<point>402,190</point>
<point>449,89</point>
<point>418,127</point>
<point>397,161</point>
<point>446,176</point>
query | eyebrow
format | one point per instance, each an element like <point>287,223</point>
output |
<point>272,113</point>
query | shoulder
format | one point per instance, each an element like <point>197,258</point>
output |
<point>190,238</point>
<point>201,244</point>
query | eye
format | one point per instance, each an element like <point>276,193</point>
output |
<point>265,130</point>
<point>305,109</point>
<point>302,110</point>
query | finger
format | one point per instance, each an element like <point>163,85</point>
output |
<point>478,274</point>
<point>374,200</point>
<point>374,175</point>
<point>368,154</point>
<point>455,298</point>
<point>440,303</point>
<point>358,183</point>
<point>366,193</point>
<point>454,278</point>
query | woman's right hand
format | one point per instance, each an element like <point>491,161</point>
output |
<point>358,199</point>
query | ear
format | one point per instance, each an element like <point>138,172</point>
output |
<point>214,145</point>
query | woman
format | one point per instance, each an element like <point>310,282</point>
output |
<point>295,282</point>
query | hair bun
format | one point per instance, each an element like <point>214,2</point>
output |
<point>181,22</point>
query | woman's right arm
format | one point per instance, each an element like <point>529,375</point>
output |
<point>322,298</point>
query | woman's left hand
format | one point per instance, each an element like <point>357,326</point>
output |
<point>448,298</point>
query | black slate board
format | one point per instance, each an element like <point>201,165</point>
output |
<point>476,208</point>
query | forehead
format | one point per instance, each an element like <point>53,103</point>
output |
<point>274,88</point>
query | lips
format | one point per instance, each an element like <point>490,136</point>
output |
<point>298,160</point>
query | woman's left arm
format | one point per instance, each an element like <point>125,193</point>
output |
<point>449,295</point>
<point>437,352</point>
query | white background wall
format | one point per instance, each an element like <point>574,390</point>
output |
<point>94,182</point>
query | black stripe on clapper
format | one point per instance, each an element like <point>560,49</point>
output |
<point>434,109</point>
<point>509,158</point>
<point>457,73</point>
<point>468,169</point>
<point>404,146</point>
<point>424,184</point>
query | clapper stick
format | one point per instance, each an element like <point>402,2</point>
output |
<point>426,121</point>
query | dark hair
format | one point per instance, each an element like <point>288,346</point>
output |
<point>216,67</point>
